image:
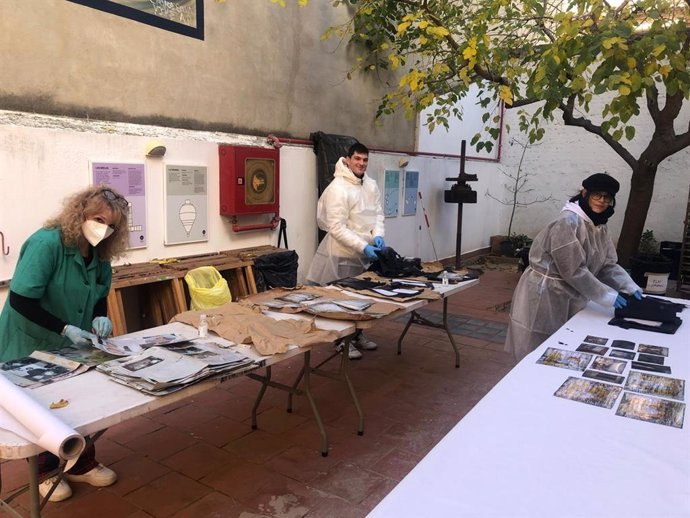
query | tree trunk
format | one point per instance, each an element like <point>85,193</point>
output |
<point>641,190</point>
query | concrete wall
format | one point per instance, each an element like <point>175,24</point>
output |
<point>260,69</point>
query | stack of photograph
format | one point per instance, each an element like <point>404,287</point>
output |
<point>162,370</point>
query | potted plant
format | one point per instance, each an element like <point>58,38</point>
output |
<point>648,268</point>
<point>513,244</point>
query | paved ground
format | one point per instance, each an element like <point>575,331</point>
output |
<point>199,458</point>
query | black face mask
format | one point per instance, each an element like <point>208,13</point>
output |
<point>597,219</point>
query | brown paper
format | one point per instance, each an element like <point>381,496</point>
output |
<point>244,325</point>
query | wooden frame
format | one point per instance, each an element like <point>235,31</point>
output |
<point>186,17</point>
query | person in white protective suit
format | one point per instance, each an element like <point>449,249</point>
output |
<point>350,211</point>
<point>572,261</point>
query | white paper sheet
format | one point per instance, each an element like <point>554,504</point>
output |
<point>23,416</point>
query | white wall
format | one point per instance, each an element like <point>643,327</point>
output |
<point>44,158</point>
<point>567,155</point>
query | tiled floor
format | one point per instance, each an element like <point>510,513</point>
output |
<point>199,458</point>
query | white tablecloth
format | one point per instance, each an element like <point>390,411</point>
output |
<point>522,452</point>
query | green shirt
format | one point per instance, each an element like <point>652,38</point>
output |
<point>56,275</point>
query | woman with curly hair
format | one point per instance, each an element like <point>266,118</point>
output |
<point>58,296</point>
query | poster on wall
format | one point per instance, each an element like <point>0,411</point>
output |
<point>391,194</point>
<point>128,180</point>
<point>410,193</point>
<point>186,204</point>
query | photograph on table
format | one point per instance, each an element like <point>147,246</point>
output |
<point>656,385</point>
<point>594,349</point>
<point>609,365</point>
<point>298,297</point>
<point>590,392</point>
<point>652,410</point>
<point>651,367</point>
<point>653,349</point>
<point>623,344</point>
<point>565,359</point>
<point>619,353</point>
<point>603,376</point>
<point>598,340</point>
<point>650,358</point>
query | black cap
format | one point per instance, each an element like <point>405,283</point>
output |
<point>601,182</point>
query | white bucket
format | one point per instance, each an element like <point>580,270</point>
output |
<point>656,283</point>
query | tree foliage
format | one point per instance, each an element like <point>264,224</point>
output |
<point>634,54</point>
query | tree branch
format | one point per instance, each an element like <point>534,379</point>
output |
<point>570,120</point>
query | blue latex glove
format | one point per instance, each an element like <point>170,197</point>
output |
<point>78,336</point>
<point>637,294</point>
<point>102,326</point>
<point>379,242</point>
<point>370,252</point>
<point>621,302</point>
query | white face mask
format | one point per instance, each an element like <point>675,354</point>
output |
<point>95,232</point>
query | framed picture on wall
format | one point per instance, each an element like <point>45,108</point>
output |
<point>180,16</point>
<point>186,204</point>
<point>391,194</point>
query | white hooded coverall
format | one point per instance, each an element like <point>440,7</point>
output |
<point>350,210</point>
<point>572,261</point>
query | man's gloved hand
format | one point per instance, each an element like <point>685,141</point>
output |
<point>379,242</point>
<point>370,252</point>
<point>621,302</point>
<point>102,326</point>
<point>78,336</point>
<point>637,294</point>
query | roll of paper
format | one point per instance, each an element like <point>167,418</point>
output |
<point>25,417</point>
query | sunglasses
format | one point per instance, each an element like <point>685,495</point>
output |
<point>114,198</point>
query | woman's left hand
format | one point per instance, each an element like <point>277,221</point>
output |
<point>102,326</point>
<point>637,294</point>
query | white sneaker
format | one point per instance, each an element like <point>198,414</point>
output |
<point>365,344</point>
<point>100,476</point>
<point>62,491</point>
<point>353,353</point>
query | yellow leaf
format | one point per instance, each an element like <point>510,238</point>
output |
<point>395,61</point>
<point>423,24</point>
<point>423,40</point>
<point>556,59</point>
<point>437,32</point>
<point>505,94</point>
<point>665,69</point>
<point>632,62</point>
<point>302,3</point>
<point>659,49</point>
<point>624,90</point>
<point>403,27</point>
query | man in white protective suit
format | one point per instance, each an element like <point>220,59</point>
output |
<point>571,261</point>
<point>350,211</point>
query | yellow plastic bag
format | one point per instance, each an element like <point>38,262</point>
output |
<point>207,288</point>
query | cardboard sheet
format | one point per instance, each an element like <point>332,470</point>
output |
<point>25,417</point>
